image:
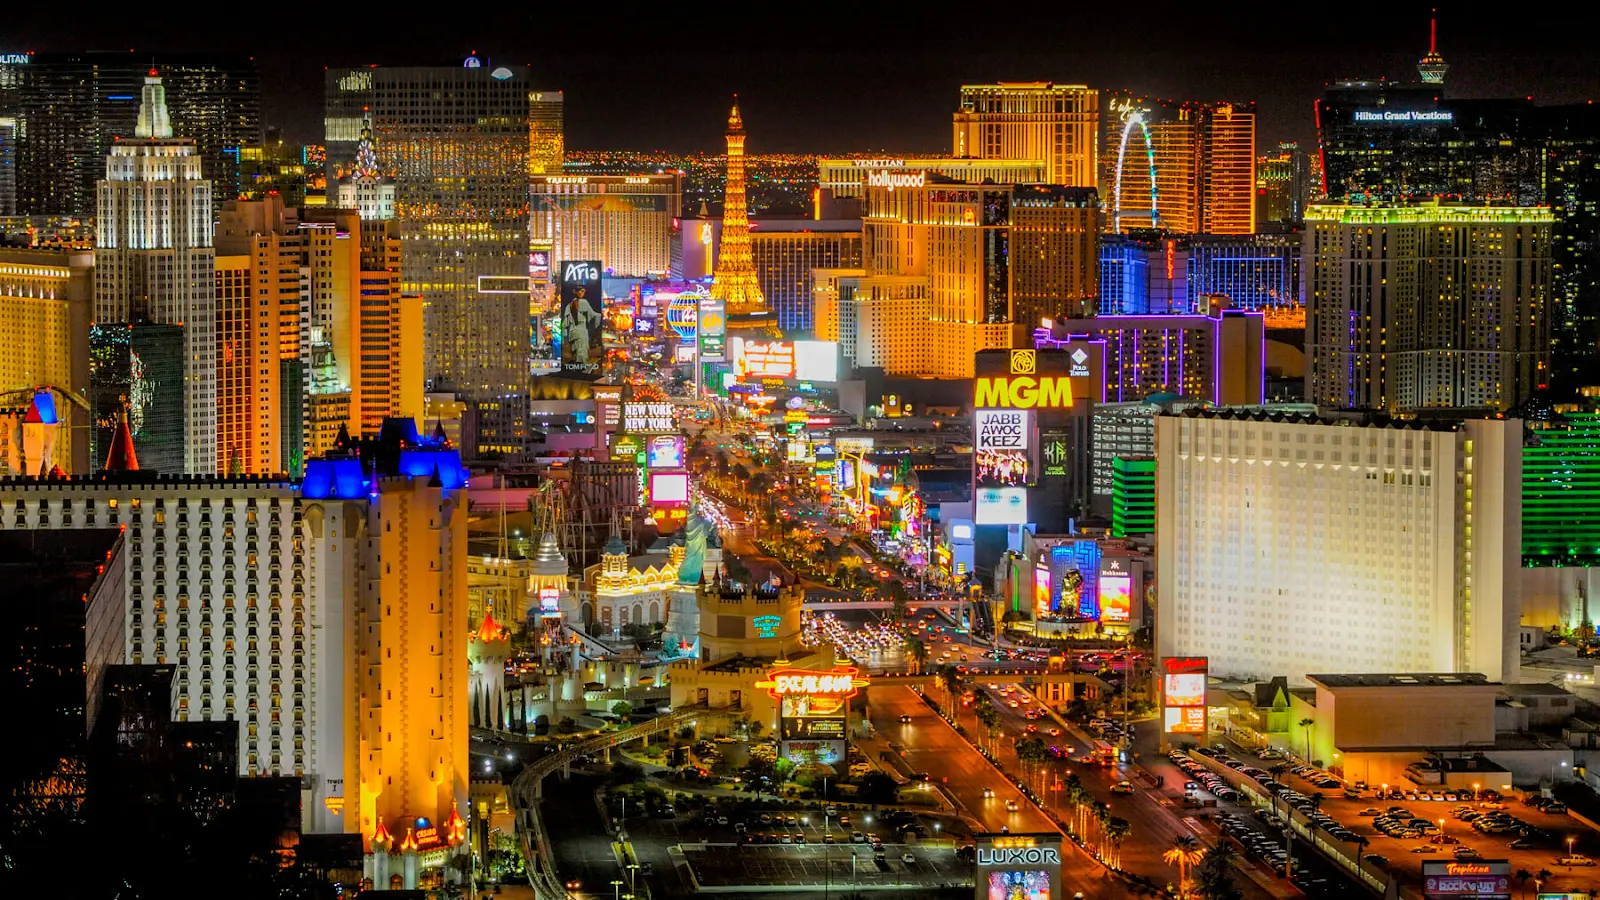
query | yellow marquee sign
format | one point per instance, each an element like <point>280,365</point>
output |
<point>1024,392</point>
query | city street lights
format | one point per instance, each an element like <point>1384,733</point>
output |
<point>616,889</point>
<point>1570,839</point>
<point>1475,787</point>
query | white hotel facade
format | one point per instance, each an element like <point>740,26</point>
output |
<point>1288,545</point>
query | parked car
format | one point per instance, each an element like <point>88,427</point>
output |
<point>1574,860</point>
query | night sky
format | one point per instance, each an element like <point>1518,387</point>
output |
<point>888,82</point>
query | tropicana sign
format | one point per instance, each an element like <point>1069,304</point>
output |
<point>1024,392</point>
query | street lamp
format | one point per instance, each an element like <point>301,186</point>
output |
<point>616,890</point>
<point>1475,787</point>
<point>1570,839</point>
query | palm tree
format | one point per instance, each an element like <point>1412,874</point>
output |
<point>1214,878</point>
<point>990,719</point>
<point>1306,724</point>
<point>1102,817</point>
<point>1522,877</point>
<point>1073,792</point>
<point>1116,830</point>
<point>917,653</point>
<point>1184,853</point>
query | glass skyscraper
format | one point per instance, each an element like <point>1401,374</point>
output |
<point>69,108</point>
<point>456,139</point>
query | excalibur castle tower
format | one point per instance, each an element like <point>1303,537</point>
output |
<point>154,262</point>
<point>735,279</point>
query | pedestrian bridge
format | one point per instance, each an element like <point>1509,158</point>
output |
<point>823,604</point>
<point>528,788</point>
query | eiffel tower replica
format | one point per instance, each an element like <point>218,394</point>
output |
<point>735,280</point>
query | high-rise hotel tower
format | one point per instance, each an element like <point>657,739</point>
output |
<point>154,260</point>
<point>1057,124</point>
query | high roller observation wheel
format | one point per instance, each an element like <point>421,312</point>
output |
<point>1135,117</point>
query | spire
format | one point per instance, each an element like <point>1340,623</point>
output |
<point>121,458</point>
<point>735,280</point>
<point>153,119</point>
<point>490,630</point>
<point>342,439</point>
<point>1432,68</point>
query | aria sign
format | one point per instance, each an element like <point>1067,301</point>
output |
<point>892,180</point>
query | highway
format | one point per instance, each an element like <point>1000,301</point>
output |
<point>932,746</point>
<point>1155,817</point>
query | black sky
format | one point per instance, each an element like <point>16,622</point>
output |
<point>818,77</point>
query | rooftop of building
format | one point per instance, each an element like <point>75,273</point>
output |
<point>1472,763</point>
<point>1405,679</point>
<point>1346,418</point>
<point>736,663</point>
<point>1534,689</point>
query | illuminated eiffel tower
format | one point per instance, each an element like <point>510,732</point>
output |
<point>735,279</point>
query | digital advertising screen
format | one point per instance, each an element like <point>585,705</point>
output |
<point>665,452</point>
<point>669,488</point>
<point>1000,506</point>
<point>1116,591</point>
<point>1041,590</point>
<point>816,360</point>
<point>808,752</point>
<point>762,359</point>
<point>1185,690</point>
<point>1184,720</point>
<point>713,329</point>
<point>582,316</point>
<point>1027,884</point>
<point>549,599</point>
<point>1002,444</point>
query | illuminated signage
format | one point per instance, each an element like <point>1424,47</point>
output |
<point>705,233</point>
<point>1041,590</point>
<point>1000,455</point>
<point>683,313</point>
<point>582,316</point>
<point>356,81</point>
<point>879,163</point>
<point>21,59</point>
<point>647,417</point>
<point>636,179</point>
<point>549,599</point>
<point>566,179</point>
<point>892,180</point>
<point>960,532</point>
<point>501,74</point>
<point>1488,879</point>
<point>669,488</point>
<point>1053,448</point>
<point>665,452</point>
<point>1406,116</point>
<point>713,329</point>
<point>763,359</point>
<point>1001,506</point>
<point>1024,392</point>
<point>766,626</point>
<point>841,682</point>
<point>625,449</point>
<point>1116,591</point>
<point>1018,856</point>
<point>1183,693</point>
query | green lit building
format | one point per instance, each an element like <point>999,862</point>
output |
<point>1133,496</point>
<point>1561,491</point>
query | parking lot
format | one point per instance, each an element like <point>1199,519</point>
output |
<point>1416,833</point>
<point>730,865</point>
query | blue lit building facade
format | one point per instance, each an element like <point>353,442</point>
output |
<point>1153,273</point>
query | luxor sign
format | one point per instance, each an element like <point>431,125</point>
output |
<point>1018,856</point>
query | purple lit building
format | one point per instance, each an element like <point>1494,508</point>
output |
<point>1218,357</point>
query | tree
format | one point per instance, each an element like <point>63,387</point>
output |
<point>622,709</point>
<point>1522,876</point>
<point>625,773</point>
<point>877,788</point>
<point>1214,880</point>
<point>566,726</point>
<point>1306,724</point>
<point>916,652</point>
<point>1117,829</point>
<point>1184,853</point>
<point>989,717</point>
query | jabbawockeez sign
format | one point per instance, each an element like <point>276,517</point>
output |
<point>1002,429</point>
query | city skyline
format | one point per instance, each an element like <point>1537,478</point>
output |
<point>828,97</point>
